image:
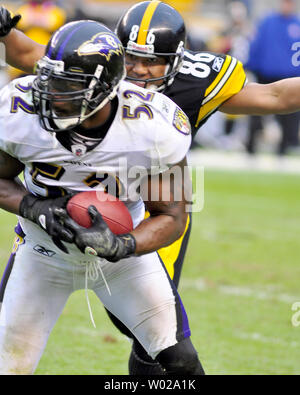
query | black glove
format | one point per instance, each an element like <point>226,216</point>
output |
<point>44,213</point>
<point>7,22</point>
<point>99,240</point>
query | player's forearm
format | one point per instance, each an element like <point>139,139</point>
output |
<point>168,217</point>
<point>21,51</point>
<point>157,232</point>
<point>286,93</point>
<point>11,194</point>
<point>280,97</point>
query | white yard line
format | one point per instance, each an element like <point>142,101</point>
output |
<point>255,292</point>
<point>258,337</point>
<point>222,160</point>
<point>269,293</point>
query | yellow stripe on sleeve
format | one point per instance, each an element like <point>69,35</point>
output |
<point>219,76</point>
<point>141,40</point>
<point>231,82</point>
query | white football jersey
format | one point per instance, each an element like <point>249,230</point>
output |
<point>149,133</point>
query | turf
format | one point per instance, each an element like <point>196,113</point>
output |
<point>240,279</point>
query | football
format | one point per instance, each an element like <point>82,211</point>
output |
<point>113,210</point>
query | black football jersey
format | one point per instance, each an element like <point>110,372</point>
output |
<point>205,81</point>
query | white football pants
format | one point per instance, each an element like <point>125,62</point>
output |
<point>137,290</point>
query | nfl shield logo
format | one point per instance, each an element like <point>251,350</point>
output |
<point>78,149</point>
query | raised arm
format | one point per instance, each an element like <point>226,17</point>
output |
<point>281,97</point>
<point>21,51</point>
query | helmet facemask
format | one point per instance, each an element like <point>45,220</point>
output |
<point>173,64</point>
<point>154,29</point>
<point>64,99</point>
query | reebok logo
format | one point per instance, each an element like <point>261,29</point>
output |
<point>42,250</point>
<point>218,63</point>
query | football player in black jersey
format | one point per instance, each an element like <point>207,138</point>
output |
<point>153,34</point>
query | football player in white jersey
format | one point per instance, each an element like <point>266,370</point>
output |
<point>153,34</point>
<point>65,128</point>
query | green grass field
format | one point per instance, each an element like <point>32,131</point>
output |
<point>240,279</point>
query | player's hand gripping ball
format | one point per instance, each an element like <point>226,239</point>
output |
<point>101,224</point>
<point>113,211</point>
